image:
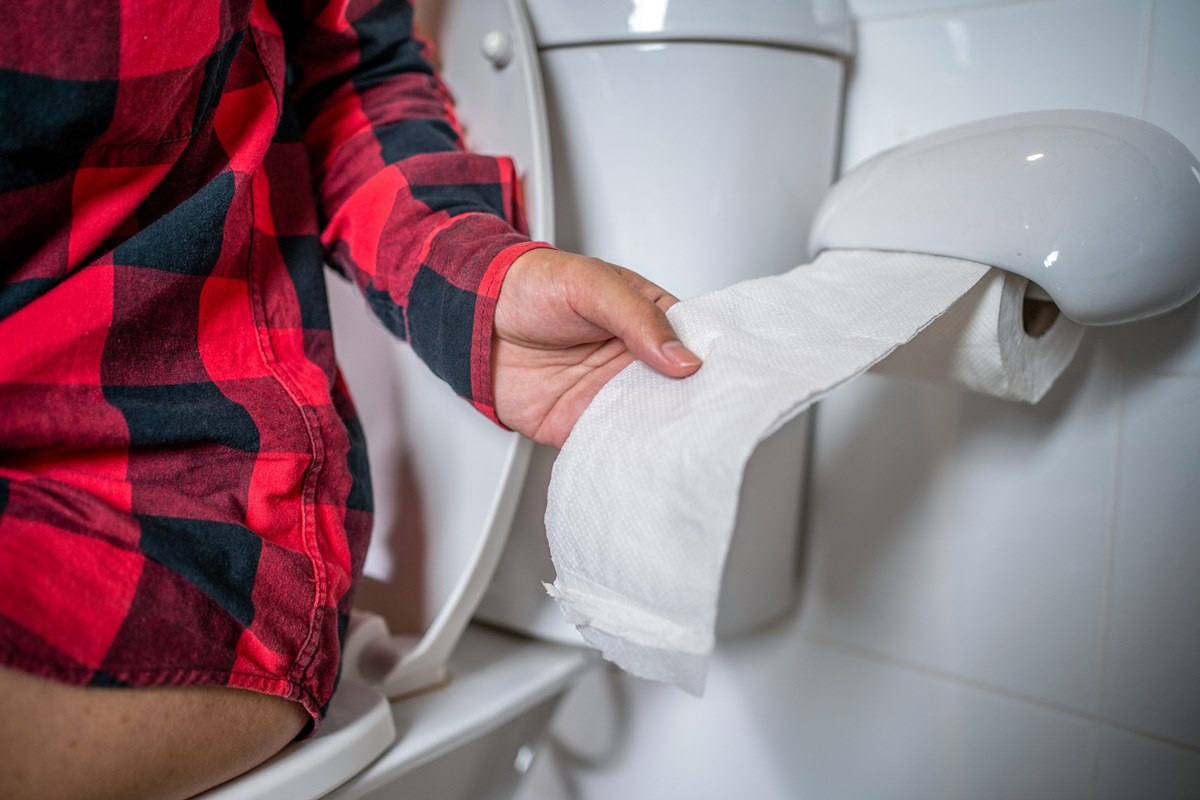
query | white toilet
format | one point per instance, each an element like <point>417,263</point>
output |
<point>693,142</point>
<point>643,156</point>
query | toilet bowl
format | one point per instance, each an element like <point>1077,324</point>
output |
<point>694,143</point>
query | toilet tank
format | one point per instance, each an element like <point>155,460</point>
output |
<point>691,142</point>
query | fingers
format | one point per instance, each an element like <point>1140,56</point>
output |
<point>632,308</point>
<point>651,291</point>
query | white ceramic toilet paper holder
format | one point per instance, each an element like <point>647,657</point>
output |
<point>1100,210</point>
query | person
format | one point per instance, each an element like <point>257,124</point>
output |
<point>184,501</point>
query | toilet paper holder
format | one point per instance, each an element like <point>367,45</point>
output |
<point>1099,210</point>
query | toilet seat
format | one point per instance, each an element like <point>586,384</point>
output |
<point>496,679</point>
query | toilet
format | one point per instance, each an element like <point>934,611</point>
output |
<point>695,143</point>
<point>555,85</point>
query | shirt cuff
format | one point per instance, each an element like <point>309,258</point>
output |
<point>483,331</point>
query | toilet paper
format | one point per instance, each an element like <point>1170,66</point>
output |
<point>981,342</point>
<point>643,496</point>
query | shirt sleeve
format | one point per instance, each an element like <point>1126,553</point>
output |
<point>426,229</point>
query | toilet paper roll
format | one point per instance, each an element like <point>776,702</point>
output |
<point>643,496</point>
<point>995,340</point>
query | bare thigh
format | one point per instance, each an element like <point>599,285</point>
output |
<point>75,742</point>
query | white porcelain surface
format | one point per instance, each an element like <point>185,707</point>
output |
<point>494,679</point>
<point>1152,654</point>
<point>800,720</point>
<point>914,75</point>
<point>491,767</point>
<point>652,173</point>
<point>1172,70</point>
<point>878,9</point>
<point>916,72</point>
<point>1100,210</point>
<point>815,24</point>
<point>516,599</point>
<point>965,533</point>
<point>1133,767</point>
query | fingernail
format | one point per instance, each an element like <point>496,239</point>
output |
<point>679,355</point>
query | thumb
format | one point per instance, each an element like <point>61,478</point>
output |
<point>611,301</point>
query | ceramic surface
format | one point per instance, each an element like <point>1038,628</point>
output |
<point>1172,63</point>
<point>1152,652</point>
<point>918,74</point>
<point>933,537</point>
<point>848,727</point>
<point>810,24</point>
<point>1134,766</point>
<point>1100,210</point>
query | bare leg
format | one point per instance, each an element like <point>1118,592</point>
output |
<point>59,741</point>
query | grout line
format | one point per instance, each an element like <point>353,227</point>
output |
<point>1094,773</point>
<point>935,672</point>
<point>1158,738</point>
<point>1106,596</point>
<point>1144,82</point>
<point>924,670</point>
<point>1120,368</point>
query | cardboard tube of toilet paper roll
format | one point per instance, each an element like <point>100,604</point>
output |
<point>643,496</point>
<point>995,340</point>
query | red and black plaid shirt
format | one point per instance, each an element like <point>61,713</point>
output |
<point>184,496</point>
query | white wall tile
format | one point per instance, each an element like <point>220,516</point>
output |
<point>1170,343</point>
<point>1134,768</point>
<point>1173,72</point>
<point>965,533</point>
<point>961,533</point>
<point>916,75</point>
<point>854,728</point>
<point>1152,652</point>
<point>784,718</point>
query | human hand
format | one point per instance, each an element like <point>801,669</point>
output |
<point>565,325</point>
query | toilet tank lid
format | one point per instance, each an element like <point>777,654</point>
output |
<point>819,25</point>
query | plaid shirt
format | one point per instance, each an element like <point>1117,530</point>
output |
<point>184,496</point>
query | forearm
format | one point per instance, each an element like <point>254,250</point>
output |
<point>425,228</point>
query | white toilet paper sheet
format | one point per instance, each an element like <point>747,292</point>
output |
<point>644,494</point>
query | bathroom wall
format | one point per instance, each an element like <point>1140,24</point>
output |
<point>999,601</point>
